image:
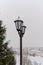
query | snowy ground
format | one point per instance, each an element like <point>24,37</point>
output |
<point>37,59</point>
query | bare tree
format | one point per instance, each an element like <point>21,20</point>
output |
<point>26,61</point>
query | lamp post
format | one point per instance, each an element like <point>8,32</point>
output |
<point>21,30</point>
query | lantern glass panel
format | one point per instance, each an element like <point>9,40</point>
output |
<point>23,29</point>
<point>18,24</point>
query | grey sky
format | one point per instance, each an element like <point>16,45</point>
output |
<point>31,12</point>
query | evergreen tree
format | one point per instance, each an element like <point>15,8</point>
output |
<point>6,55</point>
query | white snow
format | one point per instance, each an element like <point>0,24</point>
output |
<point>17,59</point>
<point>33,59</point>
<point>38,59</point>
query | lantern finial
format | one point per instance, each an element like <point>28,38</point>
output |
<point>18,17</point>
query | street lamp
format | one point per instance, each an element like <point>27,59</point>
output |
<point>21,30</point>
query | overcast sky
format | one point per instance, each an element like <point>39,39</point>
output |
<point>31,12</point>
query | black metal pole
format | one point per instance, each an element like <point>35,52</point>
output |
<point>21,49</point>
